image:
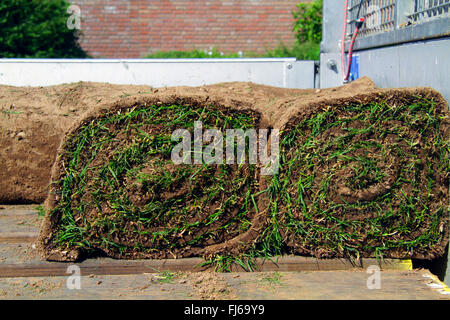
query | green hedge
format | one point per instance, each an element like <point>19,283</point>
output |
<point>37,29</point>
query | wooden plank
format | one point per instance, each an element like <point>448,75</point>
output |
<point>18,225</point>
<point>18,237</point>
<point>109,267</point>
<point>325,285</point>
<point>123,267</point>
<point>17,212</point>
<point>297,263</point>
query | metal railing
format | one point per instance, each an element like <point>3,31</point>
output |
<point>427,10</point>
<point>378,14</point>
<point>383,16</point>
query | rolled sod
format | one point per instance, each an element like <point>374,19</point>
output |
<point>365,176</point>
<point>116,191</point>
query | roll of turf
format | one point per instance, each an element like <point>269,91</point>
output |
<point>116,190</point>
<point>363,176</point>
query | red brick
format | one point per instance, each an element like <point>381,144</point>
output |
<point>143,26</point>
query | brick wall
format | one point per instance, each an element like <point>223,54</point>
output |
<point>134,28</point>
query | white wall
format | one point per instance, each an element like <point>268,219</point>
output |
<point>285,72</point>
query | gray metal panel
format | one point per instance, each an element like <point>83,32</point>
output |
<point>384,69</point>
<point>300,74</point>
<point>158,72</point>
<point>411,65</point>
<point>424,63</point>
<point>330,77</point>
<point>333,18</point>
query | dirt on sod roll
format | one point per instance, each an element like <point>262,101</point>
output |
<point>33,121</point>
<point>116,191</point>
<point>365,176</point>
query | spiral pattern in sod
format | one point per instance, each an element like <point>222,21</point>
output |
<point>120,193</point>
<point>363,180</point>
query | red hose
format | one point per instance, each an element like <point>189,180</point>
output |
<point>350,49</point>
<point>344,34</point>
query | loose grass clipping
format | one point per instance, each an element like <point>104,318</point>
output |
<point>365,176</point>
<point>115,190</point>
